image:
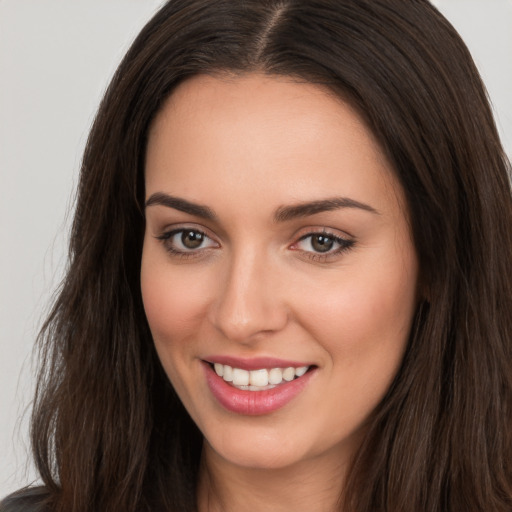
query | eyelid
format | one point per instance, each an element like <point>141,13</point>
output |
<point>167,229</point>
<point>166,235</point>
<point>170,234</point>
<point>345,242</point>
<point>322,230</point>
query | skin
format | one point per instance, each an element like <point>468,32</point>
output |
<point>246,147</point>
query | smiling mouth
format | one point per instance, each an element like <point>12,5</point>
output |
<point>258,380</point>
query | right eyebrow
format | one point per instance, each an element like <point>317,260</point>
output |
<point>198,210</point>
<point>286,213</point>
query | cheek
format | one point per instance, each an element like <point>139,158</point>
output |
<point>364,329</point>
<point>174,304</point>
<point>364,320</point>
<point>174,300</point>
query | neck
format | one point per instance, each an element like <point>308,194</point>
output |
<point>314,484</point>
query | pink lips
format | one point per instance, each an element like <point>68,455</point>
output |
<point>254,403</point>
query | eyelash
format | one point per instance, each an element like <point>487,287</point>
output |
<point>344,244</point>
<point>166,239</point>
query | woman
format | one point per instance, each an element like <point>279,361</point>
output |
<point>288,284</point>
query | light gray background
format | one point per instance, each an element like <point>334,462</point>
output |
<point>56,58</point>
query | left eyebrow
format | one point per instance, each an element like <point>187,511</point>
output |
<point>286,213</point>
<point>159,198</point>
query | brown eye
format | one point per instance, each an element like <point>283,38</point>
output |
<point>322,243</point>
<point>192,239</point>
<point>186,241</point>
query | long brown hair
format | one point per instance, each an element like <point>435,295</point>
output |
<point>108,431</point>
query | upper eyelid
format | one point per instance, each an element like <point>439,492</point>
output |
<point>169,233</point>
<point>344,241</point>
<point>325,233</point>
<point>219,232</point>
<point>323,230</point>
<point>176,228</point>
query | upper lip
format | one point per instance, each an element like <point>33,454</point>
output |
<point>254,363</point>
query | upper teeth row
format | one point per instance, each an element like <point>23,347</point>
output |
<point>259,378</point>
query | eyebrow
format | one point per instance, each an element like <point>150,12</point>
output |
<point>159,198</point>
<point>282,214</point>
<point>285,213</point>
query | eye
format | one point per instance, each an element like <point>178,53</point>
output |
<point>322,244</point>
<point>186,241</point>
<point>318,243</point>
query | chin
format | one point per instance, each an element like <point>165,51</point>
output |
<point>270,449</point>
<point>257,450</point>
<point>250,458</point>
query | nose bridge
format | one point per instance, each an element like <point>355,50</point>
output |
<point>247,304</point>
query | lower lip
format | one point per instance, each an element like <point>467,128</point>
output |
<point>254,403</point>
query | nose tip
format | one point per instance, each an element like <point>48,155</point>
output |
<point>248,305</point>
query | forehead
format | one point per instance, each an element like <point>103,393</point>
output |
<point>260,135</point>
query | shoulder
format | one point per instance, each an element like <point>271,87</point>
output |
<point>29,499</point>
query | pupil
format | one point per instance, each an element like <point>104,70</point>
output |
<point>322,243</point>
<point>192,239</point>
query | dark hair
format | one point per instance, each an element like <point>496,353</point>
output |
<point>108,431</point>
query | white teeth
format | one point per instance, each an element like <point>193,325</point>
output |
<point>240,377</point>
<point>258,380</point>
<point>227,373</point>
<point>299,372</point>
<point>289,374</point>
<point>219,369</point>
<point>275,376</point>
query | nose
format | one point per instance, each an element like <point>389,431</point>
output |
<point>249,304</point>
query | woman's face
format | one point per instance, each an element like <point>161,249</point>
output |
<point>277,243</point>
